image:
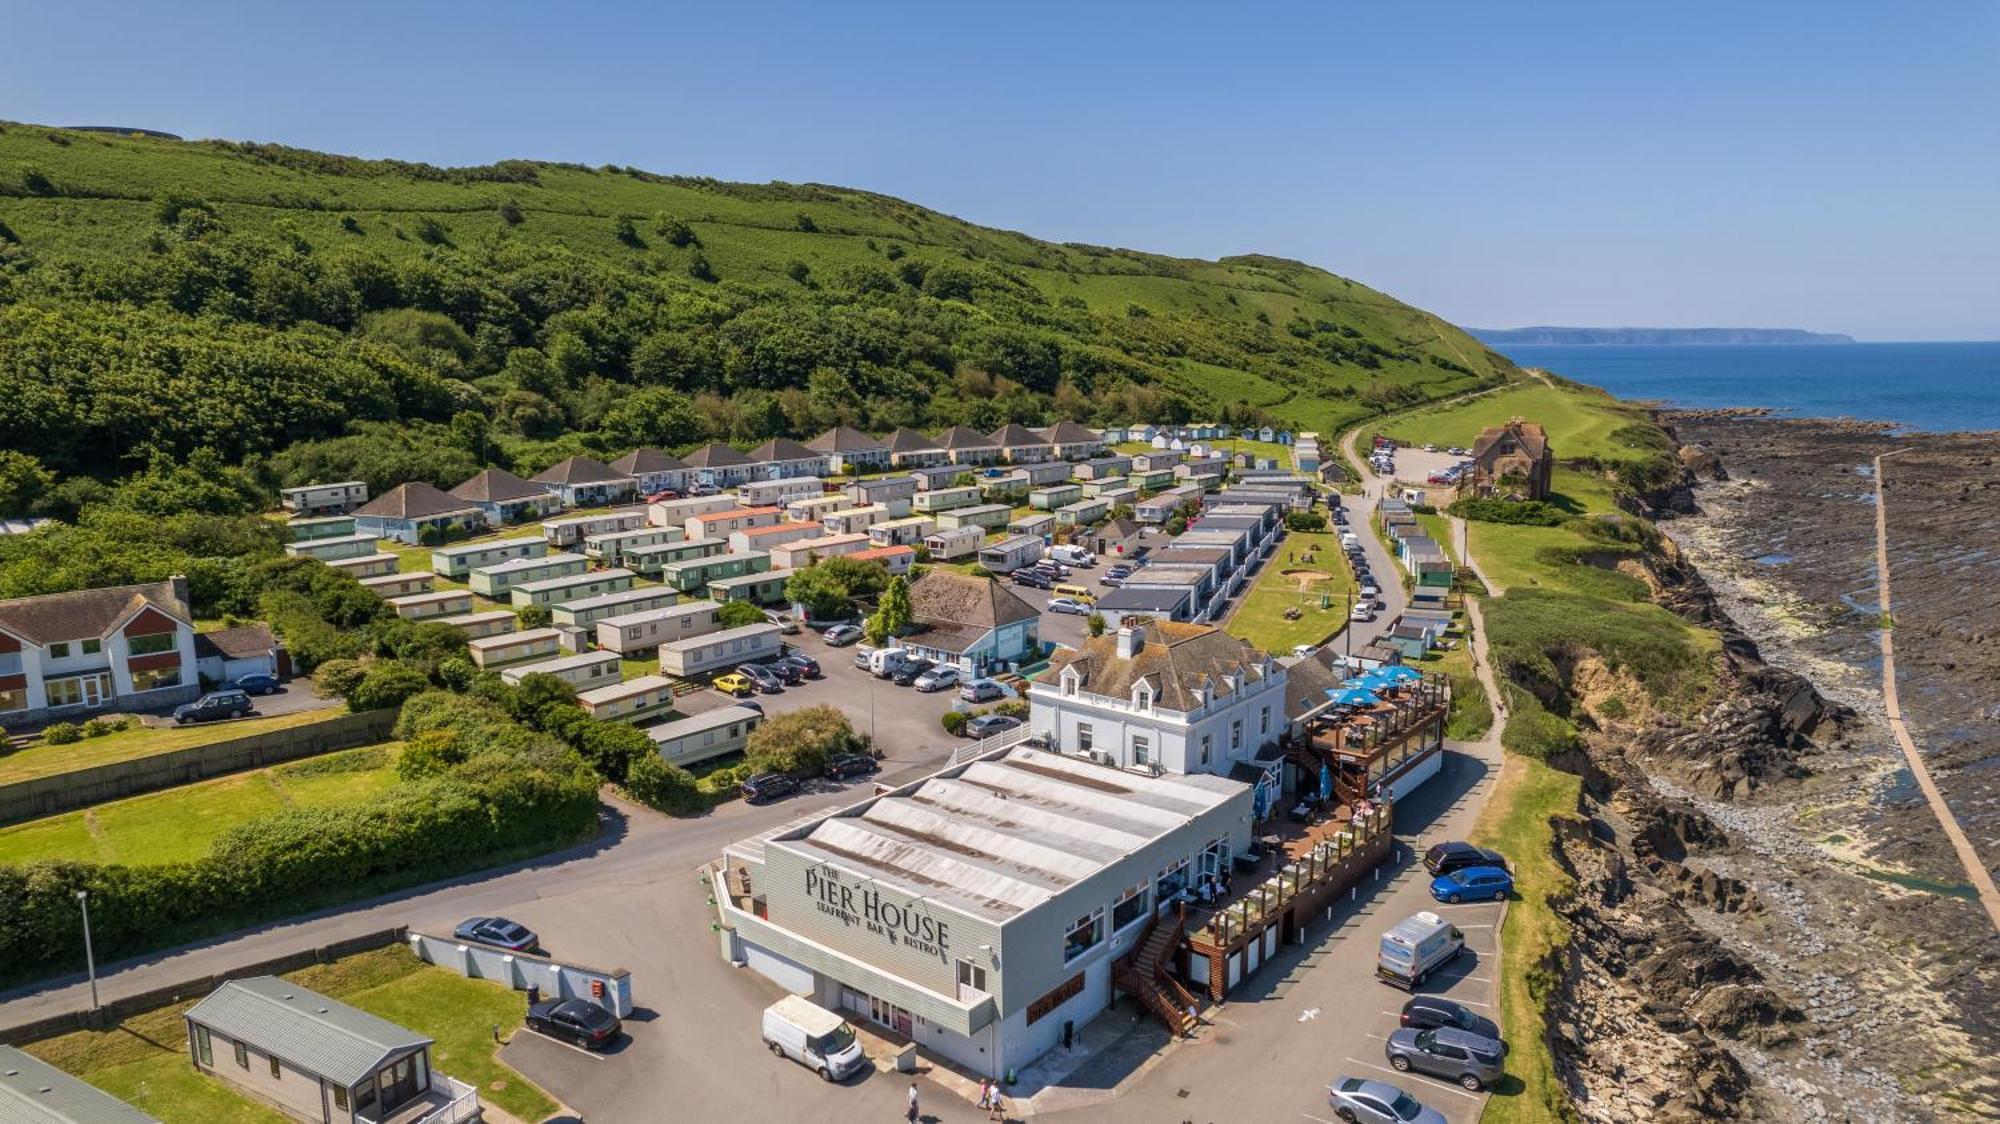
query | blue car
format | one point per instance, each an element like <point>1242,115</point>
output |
<point>1473,883</point>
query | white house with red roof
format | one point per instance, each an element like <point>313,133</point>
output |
<point>127,647</point>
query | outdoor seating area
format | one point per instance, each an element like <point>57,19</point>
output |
<point>1385,726</point>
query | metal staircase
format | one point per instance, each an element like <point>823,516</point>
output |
<point>1146,974</point>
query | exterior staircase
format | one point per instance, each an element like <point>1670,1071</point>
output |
<point>1146,975</point>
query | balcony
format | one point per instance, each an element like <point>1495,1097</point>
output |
<point>447,1101</point>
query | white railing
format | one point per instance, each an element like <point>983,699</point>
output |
<point>1005,739</point>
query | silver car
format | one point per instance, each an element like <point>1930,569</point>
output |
<point>1472,1060</point>
<point>1359,1101</point>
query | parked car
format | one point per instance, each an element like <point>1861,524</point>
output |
<point>1068,605</point>
<point>734,684</point>
<point>788,674</point>
<point>938,679</point>
<point>1118,570</point>
<point>847,765</point>
<point>766,787</point>
<point>766,680</point>
<point>574,1020</point>
<point>703,488</point>
<point>258,684</point>
<point>841,635</point>
<point>1360,1101</point>
<point>808,666</point>
<point>909,671</point>
<point>1370,590</point>
<point>1424,1012</point>
<point>214,705</point>
<point>1447,857</point>
<point>864,656</point>
<point>987,725</point>
<point>1472,883</point>
<point>498,932</point>
<point>1032,578</point>
<point>979,690</point>
<point>786,625</point>
<point>1362,614</point>
<point>1471,1060</point>
<point>1303,650</point>
<point>662,496</point>
<point>794,1027</point>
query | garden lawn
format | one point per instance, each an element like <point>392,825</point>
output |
<point>138,741</point>
<point>1581,421</point>
<point>180,824</point>
<point>143,1061</point>
<point>1470,716</point>
<point>1260,617</point>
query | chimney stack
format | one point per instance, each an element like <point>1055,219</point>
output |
<point>1130,640</point>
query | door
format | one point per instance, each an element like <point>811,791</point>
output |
<point>398,1083</point>
<point>96,688</point>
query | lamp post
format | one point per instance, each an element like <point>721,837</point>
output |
<point>89,956</point>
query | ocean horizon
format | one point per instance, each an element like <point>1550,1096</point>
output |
<point>1938,387</point>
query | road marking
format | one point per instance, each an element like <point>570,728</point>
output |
<point>1481,979</point>
<point>1309,1013</point>
<point>1463,925</point>
<point>1321,1119</point>
<point>1432,1081</point>
<point>567,1046</point>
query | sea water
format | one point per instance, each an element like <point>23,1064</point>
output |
<point>1929,386</point>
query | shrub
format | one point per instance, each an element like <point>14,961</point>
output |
<point>338,677</point>
<point>1528,513</point>
<point>1012,708</point>
<point>533,616</point>
<point>62,733</point>
<point>657,783</point>
<point>1306,521</point>
<point>98,727</point>
<point>1095,623</point>
<point>735,614</point>
<point>386,684</point>
<point>954,722</point>
<point>801,741</point>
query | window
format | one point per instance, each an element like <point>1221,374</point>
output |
<point>92,646</point>
<point>340,1098</point>
<point>59,650</point>
<point>150,643</point>
<point>1083,737</point>
<point>202,1047</point>
<point>276,1069</point>
<point>1142,749</point>
<point>154,680</point>
<point>13,699</point>
<point>65,692</point>
<point>1264,721</point>
<point>1084,935</point>
<point>1236,734</point>
<point>1206,743</point>
<point>971,975</point>
<point>242,1055</point>
<point>1131,907</point>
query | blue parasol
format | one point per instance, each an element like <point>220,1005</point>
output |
<point>1399,674</point>
<point>1354,696</point>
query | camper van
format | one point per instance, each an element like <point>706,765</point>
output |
<point>886,662</point>
<point>1415,948</point>
<point>814,1037</point>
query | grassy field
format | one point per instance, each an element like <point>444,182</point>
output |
<point>179,824</point>
<point>144,1061</point>
<point>1471,716</point>
<point>1581,422</point>
<point>139,741</point>
<point>1260,618</point>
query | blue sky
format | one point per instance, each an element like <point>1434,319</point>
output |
<point>1830,166</point>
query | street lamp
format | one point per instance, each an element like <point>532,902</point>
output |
<point>89,956</point>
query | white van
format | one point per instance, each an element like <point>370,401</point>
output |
<point>885,662</point>
<point>1416,947</point>
<point>1072,556</point>
<point>812,1036</point>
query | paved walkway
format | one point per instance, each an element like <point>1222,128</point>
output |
<point>1975,869</point>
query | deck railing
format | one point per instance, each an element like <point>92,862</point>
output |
<point>1261,903</point>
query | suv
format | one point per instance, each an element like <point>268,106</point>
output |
<point>1360,1101</point>
<point>807,666</point>
<point>258,684</point>
<point>215,704</point>
<point>1031,578</point>
<point>911,669</point>
<point>766,680</point>
<point>848,765</point>
<point>1447,857</point>
<point>1472,1060</point>
<point>766,787</point>
<point>1425,1012</point>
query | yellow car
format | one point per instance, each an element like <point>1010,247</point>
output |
<point>734,684</point>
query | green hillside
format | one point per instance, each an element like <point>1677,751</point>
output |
<point>306,314</point>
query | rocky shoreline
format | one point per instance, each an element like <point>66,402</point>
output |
<point>1764,926</point>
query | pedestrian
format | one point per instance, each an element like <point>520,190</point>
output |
<point>912,1114</point>
<point>985,1092</point>
<point>996,1109</point>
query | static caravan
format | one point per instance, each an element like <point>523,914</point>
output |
<point>628,633</point>
<point>324,499</point>
<point>1045,473</point>
<point>497,580</point>
<point>944,499</point>
<point>586,612</point>
<point>798,555</point>
<point>895,559</point>
<point>1104,484</point>
<point>1102,468</point>
<point>556,591</point>
<point>584,669</point>
<point>855,520</point>
<point>810,511</point>
<point>765,538</point>
<point>398,584</point>
<point>1116,496</point>
<point>458,562</point>
<point>703,737</point>
<point>720,524</point>
<point>323,527</point>
<point>610,548</point>
<point>767,588</point>
<point>1082,513</point>
<point>573,529</point>
<point>901,532</point>
<point>778,493</point>
<point>1157,460</point>
<point>493,622</point>
<point>719,651</point>
<point>676,513</point>
<point>1041,523</point>
<point>328,550</point>
<point>985,516</point>
<point>1054,496</point>
<point>1008,555</point>
<point>1150,481</point>
<point>634,700</point>
<point>693,575</point>
<point>892,492</point>
<point>424,606</point>
<point>932,477</point>
<point>650,560</point>
<point>1206,481</point>
<point>513,647</point>
<point>367,565</point>
<point>958,542</point>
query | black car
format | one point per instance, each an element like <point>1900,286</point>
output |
<point>1427,1011</point>
<point>258,684</point>
<point>850,765</point>
<point>574,1020</point>
<point>767,680</point>
<point>498,932</point>
<point>808,666</point>
<point>215,704</point>
<point>1447,857</point>
<point>1032,579</point>
<point>911,669</point>
<point>766,787</point>
<point>789,672</point>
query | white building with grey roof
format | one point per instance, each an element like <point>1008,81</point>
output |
<point>978,911</point>
<point>34,1092</point>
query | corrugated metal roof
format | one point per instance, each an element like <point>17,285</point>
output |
<point>34,1092</point>
<point>321,1036</point>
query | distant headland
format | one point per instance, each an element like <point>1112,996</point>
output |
<point>1649,337</point>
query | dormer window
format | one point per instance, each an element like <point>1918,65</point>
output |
<point>1069,681</point>
<point>1142,696</point>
